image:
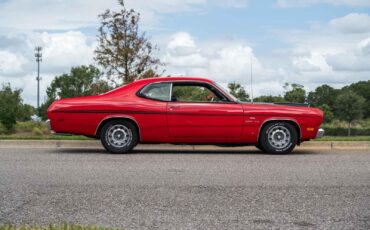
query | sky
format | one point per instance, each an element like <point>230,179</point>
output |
<point>309,42</point>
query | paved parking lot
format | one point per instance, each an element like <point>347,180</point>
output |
<point>168,189</point>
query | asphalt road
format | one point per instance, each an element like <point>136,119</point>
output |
<point>186,190</point>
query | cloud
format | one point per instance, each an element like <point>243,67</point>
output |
<point>304,3</point>
<point>305,64</point>
<point>61,51</point>
<point>356,59</point>
<point>10,63</point>
<point>75,14</point>
<point>352,23</point>
<point>221,60</point>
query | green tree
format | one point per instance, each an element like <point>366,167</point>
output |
<point>269,99</point>
<point>124,52</point>
<point>238,91</point>
<point>328,114</point>
<point>362,88</point>
<point>10,106</point>
<point>349,106</point>
<point>323,94</point>
<point>81,81</point>
<point>26,111</point>
<point>297,94</point>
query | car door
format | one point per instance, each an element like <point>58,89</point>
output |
<point>200,112</point>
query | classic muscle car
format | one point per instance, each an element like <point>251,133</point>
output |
<point>183,110</point>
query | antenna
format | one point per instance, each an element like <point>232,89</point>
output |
<point>251,79</point>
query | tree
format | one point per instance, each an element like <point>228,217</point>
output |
<point>328,114</point>
<point>26,111</point>
<point>297,94</point>
<point>124,52</point>
<point>323,94</point>
<point>10,106</point>
<point>269,99</point>
<point>349,106</point>
<point>81,81</point>
<point>238,91</point>
<point>362,88</point>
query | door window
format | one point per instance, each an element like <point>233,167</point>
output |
<point>184,92</point>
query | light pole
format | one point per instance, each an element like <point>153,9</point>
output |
<point>38,56</point>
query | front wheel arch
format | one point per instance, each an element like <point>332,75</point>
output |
<point>294,123</point>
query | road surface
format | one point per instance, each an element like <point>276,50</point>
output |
<point>164,189</point>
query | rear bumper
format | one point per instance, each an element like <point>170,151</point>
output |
<point>320,133</point>
<point>48,124</point>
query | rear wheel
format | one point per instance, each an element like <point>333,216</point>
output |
<point>278,137</point>
<point>119,136</point>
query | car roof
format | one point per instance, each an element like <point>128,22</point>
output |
<point>170,78</point>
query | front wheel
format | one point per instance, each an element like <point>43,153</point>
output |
<point>119,136</point>
<point>278,137</point>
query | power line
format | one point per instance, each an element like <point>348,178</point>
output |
<point>38,56</point>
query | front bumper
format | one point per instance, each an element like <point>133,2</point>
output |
<point>320,133</point>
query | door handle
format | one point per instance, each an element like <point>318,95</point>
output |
<point>173,107</point>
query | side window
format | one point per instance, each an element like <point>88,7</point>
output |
<point>157,91</point>
<point>193,93</point>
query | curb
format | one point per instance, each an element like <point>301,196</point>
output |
<point>93,144</point>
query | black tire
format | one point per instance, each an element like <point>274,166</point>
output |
<point>119,136</point>
<point>278,137</point>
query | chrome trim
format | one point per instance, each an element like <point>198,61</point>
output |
<point>171,92</point>
<point>282,119</point>
<point>48,124</point>
<point>212,83</point>
<point>123,116</point>
<point>320,133</point>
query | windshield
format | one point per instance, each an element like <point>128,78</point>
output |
<point>225,91</point>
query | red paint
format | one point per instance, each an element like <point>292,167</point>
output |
<point>184,122</point>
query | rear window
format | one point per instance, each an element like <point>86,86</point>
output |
<point>157,91</point>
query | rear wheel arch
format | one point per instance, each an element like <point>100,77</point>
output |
<point>292,122</point>
<point>106,120</point>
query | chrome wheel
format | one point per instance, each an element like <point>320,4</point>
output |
<point>118,136</point>
<point>279,137</point>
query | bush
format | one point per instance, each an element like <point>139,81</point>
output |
<point>37,131</point>
<point>330,131</point>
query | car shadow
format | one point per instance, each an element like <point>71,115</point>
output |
<point>180,151</point>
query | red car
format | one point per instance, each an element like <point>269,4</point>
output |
<point>183,110</point>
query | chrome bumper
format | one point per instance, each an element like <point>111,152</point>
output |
<point>320,133</point>
<point>47,122</point>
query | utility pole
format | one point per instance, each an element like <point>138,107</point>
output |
<point>38,56</point>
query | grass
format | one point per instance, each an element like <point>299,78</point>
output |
<point>344,138</point>
<point>53,227</point>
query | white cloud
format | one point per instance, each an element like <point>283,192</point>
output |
<point>221,60</point>
<point>61,51</point>
<point>304,64</point>
<point>303,3</point>
<point>11,63</point>
<point>356,59</point>
<point>74,14</point>
<point>352,23</point>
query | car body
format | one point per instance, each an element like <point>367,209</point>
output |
<point>181,110</point>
